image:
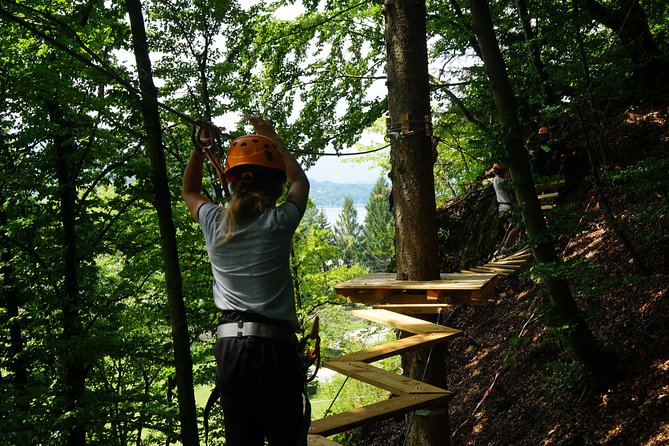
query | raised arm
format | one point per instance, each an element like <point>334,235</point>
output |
<point>191,189</point>
<point>298,192</point>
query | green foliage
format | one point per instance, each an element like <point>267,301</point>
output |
<point>347,233</point>
<point>377,246</point>
<point>561,378</point>
<point>320,77</point>
<point>345,336</point>
<point>645,185</point>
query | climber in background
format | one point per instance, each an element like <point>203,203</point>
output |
<point>502,186</point>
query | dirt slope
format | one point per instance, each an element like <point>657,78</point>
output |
<point>537,397</point>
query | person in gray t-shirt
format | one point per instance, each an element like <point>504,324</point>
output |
<point>258,373</point>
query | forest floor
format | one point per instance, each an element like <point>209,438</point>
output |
<point>536,395</point>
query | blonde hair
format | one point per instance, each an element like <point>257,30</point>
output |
<point>251,196</point>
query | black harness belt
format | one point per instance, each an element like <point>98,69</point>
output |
<point>241,329</point>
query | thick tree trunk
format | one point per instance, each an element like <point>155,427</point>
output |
<point>75,368</point>
<point>412,176</point>
<point>599,362</point>
<point>411,155</point>
<point>163,205</point>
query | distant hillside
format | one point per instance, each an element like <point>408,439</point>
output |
<point>327,194</point>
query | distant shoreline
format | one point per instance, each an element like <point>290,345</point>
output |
<point>327,194</point>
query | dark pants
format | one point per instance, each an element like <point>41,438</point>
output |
<point>261,391</point>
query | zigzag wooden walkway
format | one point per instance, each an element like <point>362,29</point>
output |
<point>393,300</point>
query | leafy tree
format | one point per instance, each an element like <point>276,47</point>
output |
<point>600,362</point>
<point>162,203</point>
<point>378,232</point>
<point>347,233</point>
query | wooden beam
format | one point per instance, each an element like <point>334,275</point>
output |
<point>357,417</point>
<point>377,377</point>
<point>401,321</point>
<point>397,347</point>
<point>413,308</point>
<point>385,288</point>
<point>547,196</point>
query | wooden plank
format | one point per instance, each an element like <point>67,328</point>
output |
<point>501,272</point>
<point>393,348</point>
<point>547,196</point>
<point>401,321</point>
<point>553,185</point>
<point>377,377</point>
<point>498,265</point>
<point>510,261</point>
<point>317,440</point>
<point>402,298</point>
<point>385,288</point>
<point>357,417</point>
<point>387,281</point>
<point>413,308</point>
<point>547,207</point>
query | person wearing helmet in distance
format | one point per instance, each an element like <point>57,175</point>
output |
<point>542,153</point>
<point>248,241</point>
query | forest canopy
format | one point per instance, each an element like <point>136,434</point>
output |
<point>106,305</point>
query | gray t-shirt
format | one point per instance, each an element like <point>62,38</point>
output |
<point>252,270</point>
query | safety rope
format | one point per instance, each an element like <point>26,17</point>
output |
<point>498,372</point>
<point>206,138</point>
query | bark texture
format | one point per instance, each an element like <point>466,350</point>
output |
<point>414,204</point>
<point>162,202</point>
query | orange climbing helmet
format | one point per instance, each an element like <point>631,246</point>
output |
<point>499,166</point>
<point>544,130</point>
<point>254,150</point>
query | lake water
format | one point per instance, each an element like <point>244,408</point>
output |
<point>332,214</point>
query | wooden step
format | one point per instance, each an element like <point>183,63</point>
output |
<point>402,321</point>
<point>414,308</point>
<point>547,196</point>
<point>353,418</point>
<point>492,270</point>
<point>450,288</point>
<point>509,261</point>
<point>397,347</point>
<point>377,377</point>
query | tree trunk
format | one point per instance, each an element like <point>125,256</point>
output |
<point>630,23</point>
<point>414,205</point>
<point>600,363</point>
<point>411,155</point>
<point>535,53</point>
<point>163,204</point>
<point>75,368</point>
<point>11,305</point>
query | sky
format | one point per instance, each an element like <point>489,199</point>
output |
<point>330,168</point>
<point>340,170</point>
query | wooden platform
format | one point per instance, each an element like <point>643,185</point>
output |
<point>393,300</point>
<point>451,288</point>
